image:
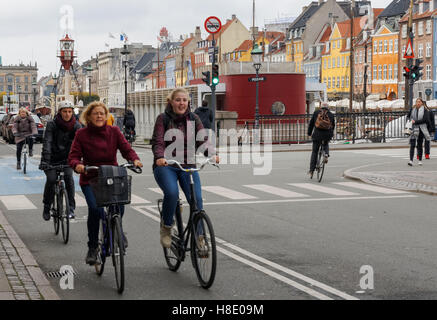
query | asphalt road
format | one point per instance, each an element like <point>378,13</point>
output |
<point>278,237</point>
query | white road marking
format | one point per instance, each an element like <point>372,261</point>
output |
<point>156,190</point>
<point>138,200</point>
<point>369,187</point>
<point>17,202</point>
<point>273,274</point>
<point>284,193</point>
<point>322,189</point>
<point>80,201</point>
<point>228,193</point>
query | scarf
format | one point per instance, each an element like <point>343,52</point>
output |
<point>65,125</point>
<point>417,115</point>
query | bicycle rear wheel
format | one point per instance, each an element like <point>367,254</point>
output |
<point>24,163</point>
<point>118,253</point>
<point>320,165</point>
<point>101,249</point>
<point>203,250</point>
<point>55,214</point>
<point>64,211</point>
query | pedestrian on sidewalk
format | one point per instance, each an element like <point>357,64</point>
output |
<point>205,115</point>
<point>420,118</point>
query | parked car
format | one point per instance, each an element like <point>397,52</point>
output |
<point>8,136</point>
<point>2,116</point>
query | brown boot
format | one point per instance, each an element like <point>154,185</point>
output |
<point>165,233</point>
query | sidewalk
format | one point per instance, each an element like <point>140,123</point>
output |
<point>338,145</point>
<point>20,276</point>
<point>422,179</point>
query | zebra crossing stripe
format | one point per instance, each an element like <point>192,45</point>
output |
<point>369,187</point>
<point>276,191</point>
<point>322,189</point>
<point>138,200</point>
<point>228,193</point>
<point>17,202</point>
<point>156,190</point>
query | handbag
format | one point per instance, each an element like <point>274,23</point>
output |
<point>408,128</point>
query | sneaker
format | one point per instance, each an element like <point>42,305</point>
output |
<point>165,233</point>
<point>31,153</point>
<point>91,257</point>
<point>427,156</point>
<point>410,163</point>
<point>46,213</point>
<point>71,215</point>
<point>420,163</point>
<point>18,166</point>
<point>311,173</point>
<point>203,250</point>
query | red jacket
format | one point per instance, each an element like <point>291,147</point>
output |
<point>95,146</point>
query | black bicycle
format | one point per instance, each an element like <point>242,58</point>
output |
<point>24,153</point>
<point>322,159</point>
<point>110,193</point>
<point>60,210</point>
<point>198,236</point>
<point>130,136</point>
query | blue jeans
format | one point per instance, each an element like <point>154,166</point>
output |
<point>94,214</point>
<point>167,179</point>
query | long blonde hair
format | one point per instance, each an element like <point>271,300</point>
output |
<point>25,110</point>
<point>86,115</point>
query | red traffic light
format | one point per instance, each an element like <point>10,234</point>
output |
<point>408,70</point>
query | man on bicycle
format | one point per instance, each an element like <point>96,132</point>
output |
<point>321,129</point>
<point>58,137</point>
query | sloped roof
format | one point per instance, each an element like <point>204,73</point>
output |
<point>186,42</point>
<point>223,29</point>
<point>246,45</point>
<point>301,21</point>
<point>396,8</point>
<point>419,16</point>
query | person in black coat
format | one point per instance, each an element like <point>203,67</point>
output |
<point>431,129</point>
<point>57,140</point>
<point>129,121</point>
<point>320,136</point>
<point>205,115</point>
<point>421,118</point>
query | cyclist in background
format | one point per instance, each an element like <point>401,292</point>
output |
<point>24,127</point>
<point>321,129</point>
<point>176,116</point>
<point>58,137</point>
<point>95,145</point>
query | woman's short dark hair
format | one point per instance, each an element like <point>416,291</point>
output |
<point>204,103</point>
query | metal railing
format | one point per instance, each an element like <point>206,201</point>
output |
<point>293,129</point>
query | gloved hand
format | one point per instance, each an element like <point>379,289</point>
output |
<point>43,166</point>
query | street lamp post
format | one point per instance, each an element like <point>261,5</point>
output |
<point>125,53</point>
<point>55,87</point>
<point>256,58</point>
<point>34,95</point>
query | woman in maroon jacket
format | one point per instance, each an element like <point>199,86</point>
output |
<point>97,145</point>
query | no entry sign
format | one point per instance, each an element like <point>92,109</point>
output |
<point>213,25</point>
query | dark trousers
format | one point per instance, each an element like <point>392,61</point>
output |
<point>94,215</point>
<point>49,189</point>
<point>419,144</point>
<point>316,147</point>
<point>20,147</point>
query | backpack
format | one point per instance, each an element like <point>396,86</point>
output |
<point>323,122</point>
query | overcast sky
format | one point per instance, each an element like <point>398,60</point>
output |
<point>30,30</point>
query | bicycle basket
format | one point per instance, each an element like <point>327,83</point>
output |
<point>112,190</point>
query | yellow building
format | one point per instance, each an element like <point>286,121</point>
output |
<point>336,59</point>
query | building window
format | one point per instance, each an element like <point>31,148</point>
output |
<point>329,82</point>
<point>369,77</point>
<point>347,81</point>
<point>342,61</point>
<point>404,31</point>
<point>375,47</point>
<point>396,46</point>
<point>342,82</point>
<point>390,46</point>
<point>420,53</point>
<point>329,63</point>
<point>414,29</point>
<point>333,63</point>
<point>428,72</point>
<point>324,64</point>
<point>385,46</point>
<point>375,72</point>
<point>395,72</point>
<point>404,47</point>
<point>356,78</point>
<point>390,72</point>
<point>385,72</point>
<point>379,72</point>
<point>333,44</point>
<point>420,31</point>
<point>339,44</point>
<point>428,50</point>
<point>338,82</point>
<point>338,62</point>
<point>428,26</point>
<point>380,47</point>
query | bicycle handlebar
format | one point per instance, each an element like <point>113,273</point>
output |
<point>202,165</point>
<point>60,167</point>
<point>129,166</point>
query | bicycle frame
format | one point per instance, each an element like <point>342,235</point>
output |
<point>108,215</point>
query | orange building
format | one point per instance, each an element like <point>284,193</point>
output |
<point>385,57</point>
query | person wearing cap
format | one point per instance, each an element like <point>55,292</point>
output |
<point>57,140</point>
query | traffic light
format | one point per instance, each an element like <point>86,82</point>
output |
<point>207,77</point>
<point>416,73</point>
<point>407,72</point>
<point>215,75</point>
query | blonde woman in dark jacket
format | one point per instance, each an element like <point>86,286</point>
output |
<point>24,127</point>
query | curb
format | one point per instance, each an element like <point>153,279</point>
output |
<point>395,183</point>
<point>35,272</point>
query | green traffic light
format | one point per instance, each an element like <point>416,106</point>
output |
<point>215,81</point>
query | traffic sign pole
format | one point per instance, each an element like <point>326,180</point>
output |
<point>213,88</point>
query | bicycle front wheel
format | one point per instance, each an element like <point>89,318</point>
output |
<point>203,250</point>
<point>118,253</point>
<point>55,214</point>
<point>102,249</point>
<point>64,211</point>
<point>24,163</point>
